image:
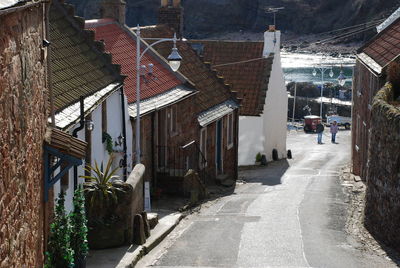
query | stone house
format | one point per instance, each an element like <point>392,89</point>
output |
<point>253,70</point>
<point>182,127</point>
<point>376,131</point>
<point>215,108</point>
<point>369,76</point>
<point>23,116</point>
<point>88,96</point>
<point>166,98</point>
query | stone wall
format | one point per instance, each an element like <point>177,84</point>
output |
<point>23,114</point>
<point>382,212</point>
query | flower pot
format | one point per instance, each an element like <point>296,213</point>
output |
<point>80,262</point>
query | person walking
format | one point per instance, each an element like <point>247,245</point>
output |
<point>334,130</point>
<point>320,130</point>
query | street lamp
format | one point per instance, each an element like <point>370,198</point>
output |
<point>174,60</point>
<point>322,71</point>
<point>341,78</point>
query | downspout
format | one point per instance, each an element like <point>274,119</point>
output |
<point>153,145</point>
<point>124,132</point>
<point>75,134</point>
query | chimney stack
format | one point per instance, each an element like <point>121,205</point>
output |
<point>114,9</point>
<point>171,14</point>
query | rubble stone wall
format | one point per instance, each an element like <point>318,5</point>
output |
<point>382,212</point>
<point>23,109</point>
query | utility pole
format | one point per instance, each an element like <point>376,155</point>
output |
<point>294,102</point>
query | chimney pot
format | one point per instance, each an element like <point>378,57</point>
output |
<point>271,28</point>
<point>164,3</point>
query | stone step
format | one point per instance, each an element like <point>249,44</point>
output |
<point>153,219</point>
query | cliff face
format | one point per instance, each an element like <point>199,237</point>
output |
<point>205,17</point>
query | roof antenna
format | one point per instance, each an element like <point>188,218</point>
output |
<point>274,10</point>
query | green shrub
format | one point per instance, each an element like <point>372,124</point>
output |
<point>79,241</point>
<point>60,254</point>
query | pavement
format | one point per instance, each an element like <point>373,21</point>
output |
<point>128,256</point>
<point>291,213</point>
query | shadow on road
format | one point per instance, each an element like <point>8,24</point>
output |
<point>270,175</point>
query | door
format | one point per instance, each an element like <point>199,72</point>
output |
<point>218,147</point>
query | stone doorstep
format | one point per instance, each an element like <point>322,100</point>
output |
<point>153,219</point>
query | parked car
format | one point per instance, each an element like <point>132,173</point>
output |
<point>311,122</point>
<point>340,120</point>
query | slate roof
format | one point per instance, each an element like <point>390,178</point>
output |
<point>69,116</point>
<point>249,78</point>
<point>79,65</point>
<point>161,100</point>
<point>212,88</point>
<point>10,3</point>
<point>384,47</point>
<point>216,112</point>
<point>121,43</point>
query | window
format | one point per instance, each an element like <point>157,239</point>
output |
<point>173,117</point>
<point>229,131</point>
<point>203,147</point>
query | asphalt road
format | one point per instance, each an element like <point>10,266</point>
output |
<point>289,214</point>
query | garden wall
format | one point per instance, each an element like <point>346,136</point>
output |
<point>382,213</point>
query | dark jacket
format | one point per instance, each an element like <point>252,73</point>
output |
<point>320,128</point>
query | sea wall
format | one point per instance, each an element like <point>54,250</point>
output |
<point>382,212</point>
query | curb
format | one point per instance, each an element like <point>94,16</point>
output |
<point>151,243</point>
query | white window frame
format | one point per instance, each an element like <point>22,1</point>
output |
<point>229,130</point>
<point>203,136</point>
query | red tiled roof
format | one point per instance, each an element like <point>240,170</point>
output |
<point>212,90</point>
<point>249,77</point>
<point>385,46</point>
<point>122,46</point>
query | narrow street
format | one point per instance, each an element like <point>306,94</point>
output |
<point>290,214</point>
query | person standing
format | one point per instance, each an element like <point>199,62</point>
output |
<point>320,130</point>
<point>334,130</point>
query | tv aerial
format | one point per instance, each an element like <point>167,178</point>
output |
<point>273,10</point>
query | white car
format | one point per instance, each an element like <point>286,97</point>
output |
<point>340,120</point>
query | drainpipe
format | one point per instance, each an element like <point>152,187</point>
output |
<point>75,134</point>
<point>124,132</point>
<point>153,146</point>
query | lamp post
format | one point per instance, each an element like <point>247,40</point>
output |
<point>322,71</point>
<point>174,60</point>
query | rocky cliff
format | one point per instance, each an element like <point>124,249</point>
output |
<point>205,17</point>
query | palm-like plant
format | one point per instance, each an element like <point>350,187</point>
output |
<point>101,186</point>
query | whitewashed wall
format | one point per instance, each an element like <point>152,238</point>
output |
<point>267,132</point>
<point>276,104</point>
<point>98,150</point>
<point>251,139</point>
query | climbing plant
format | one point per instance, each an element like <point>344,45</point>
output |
<point>106,138</point>
<point>60,254</point>
<point>79,241</point>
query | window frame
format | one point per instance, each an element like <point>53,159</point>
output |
<point>229,131</point>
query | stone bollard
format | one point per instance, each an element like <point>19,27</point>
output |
<point>145,224</point>
<point>139,237</point>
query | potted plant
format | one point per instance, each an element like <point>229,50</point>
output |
<point>60,254</point>
<point>102,191</point>
<point>258,159</point>
<point>78,219</point>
